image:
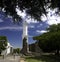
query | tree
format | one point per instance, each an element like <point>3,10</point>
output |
<point>32,47</point>
<point>17,50</point>
<point>54,28</point>
<point>50,41</point>
<point>33,8</point>
<point>3,43</point>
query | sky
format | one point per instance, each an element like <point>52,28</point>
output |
<point>13,31</point>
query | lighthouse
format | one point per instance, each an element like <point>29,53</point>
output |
<point>25,30</point>
<point>25,48</point>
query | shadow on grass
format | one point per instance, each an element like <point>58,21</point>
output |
<point>45,58</point>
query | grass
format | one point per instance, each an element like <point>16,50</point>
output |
<point>43,58</point>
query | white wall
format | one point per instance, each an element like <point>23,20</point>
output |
<point>7,50</point>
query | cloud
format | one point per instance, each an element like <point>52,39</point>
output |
<point>10,28</point>
<point>1,20</point>
<point>50,22</point>
<point>31,26</point>
<point>20,13</point>
<point>30,36</point>
<point>41,31</point>
<point>31,20</point>
<point>40,25</point>
<point>25,17</point>
<point>53,20</point>
<point>43,18</point>
<point>52,17</point>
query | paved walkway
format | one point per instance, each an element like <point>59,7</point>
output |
<point>22,60</point>
<point>10,59</point>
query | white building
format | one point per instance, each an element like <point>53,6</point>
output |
<point>8,50</point>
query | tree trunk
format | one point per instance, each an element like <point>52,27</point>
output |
<point>57,52</point>
<point>0,52</point>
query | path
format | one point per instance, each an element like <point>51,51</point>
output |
<point>10,59</point>
<point>22,60</point>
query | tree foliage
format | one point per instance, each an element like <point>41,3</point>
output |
<point>32,47</point>
<point>3,43</point>
<point>17,50</point>
<point>54,28</point>
<point>34,8</point>
<point>50,41</point>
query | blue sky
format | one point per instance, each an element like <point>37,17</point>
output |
<point>13,31</point>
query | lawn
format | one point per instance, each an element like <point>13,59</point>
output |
<point>43,58</point>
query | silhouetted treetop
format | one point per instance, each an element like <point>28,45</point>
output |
<point>34,8</point>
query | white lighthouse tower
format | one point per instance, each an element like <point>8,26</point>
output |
<point>25,30</point>
<point>25,37</point>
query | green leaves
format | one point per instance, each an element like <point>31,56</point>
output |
<point>50,41</point>
<point>3,43</point>
<point>17,50</point>
<point>54,28</point>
